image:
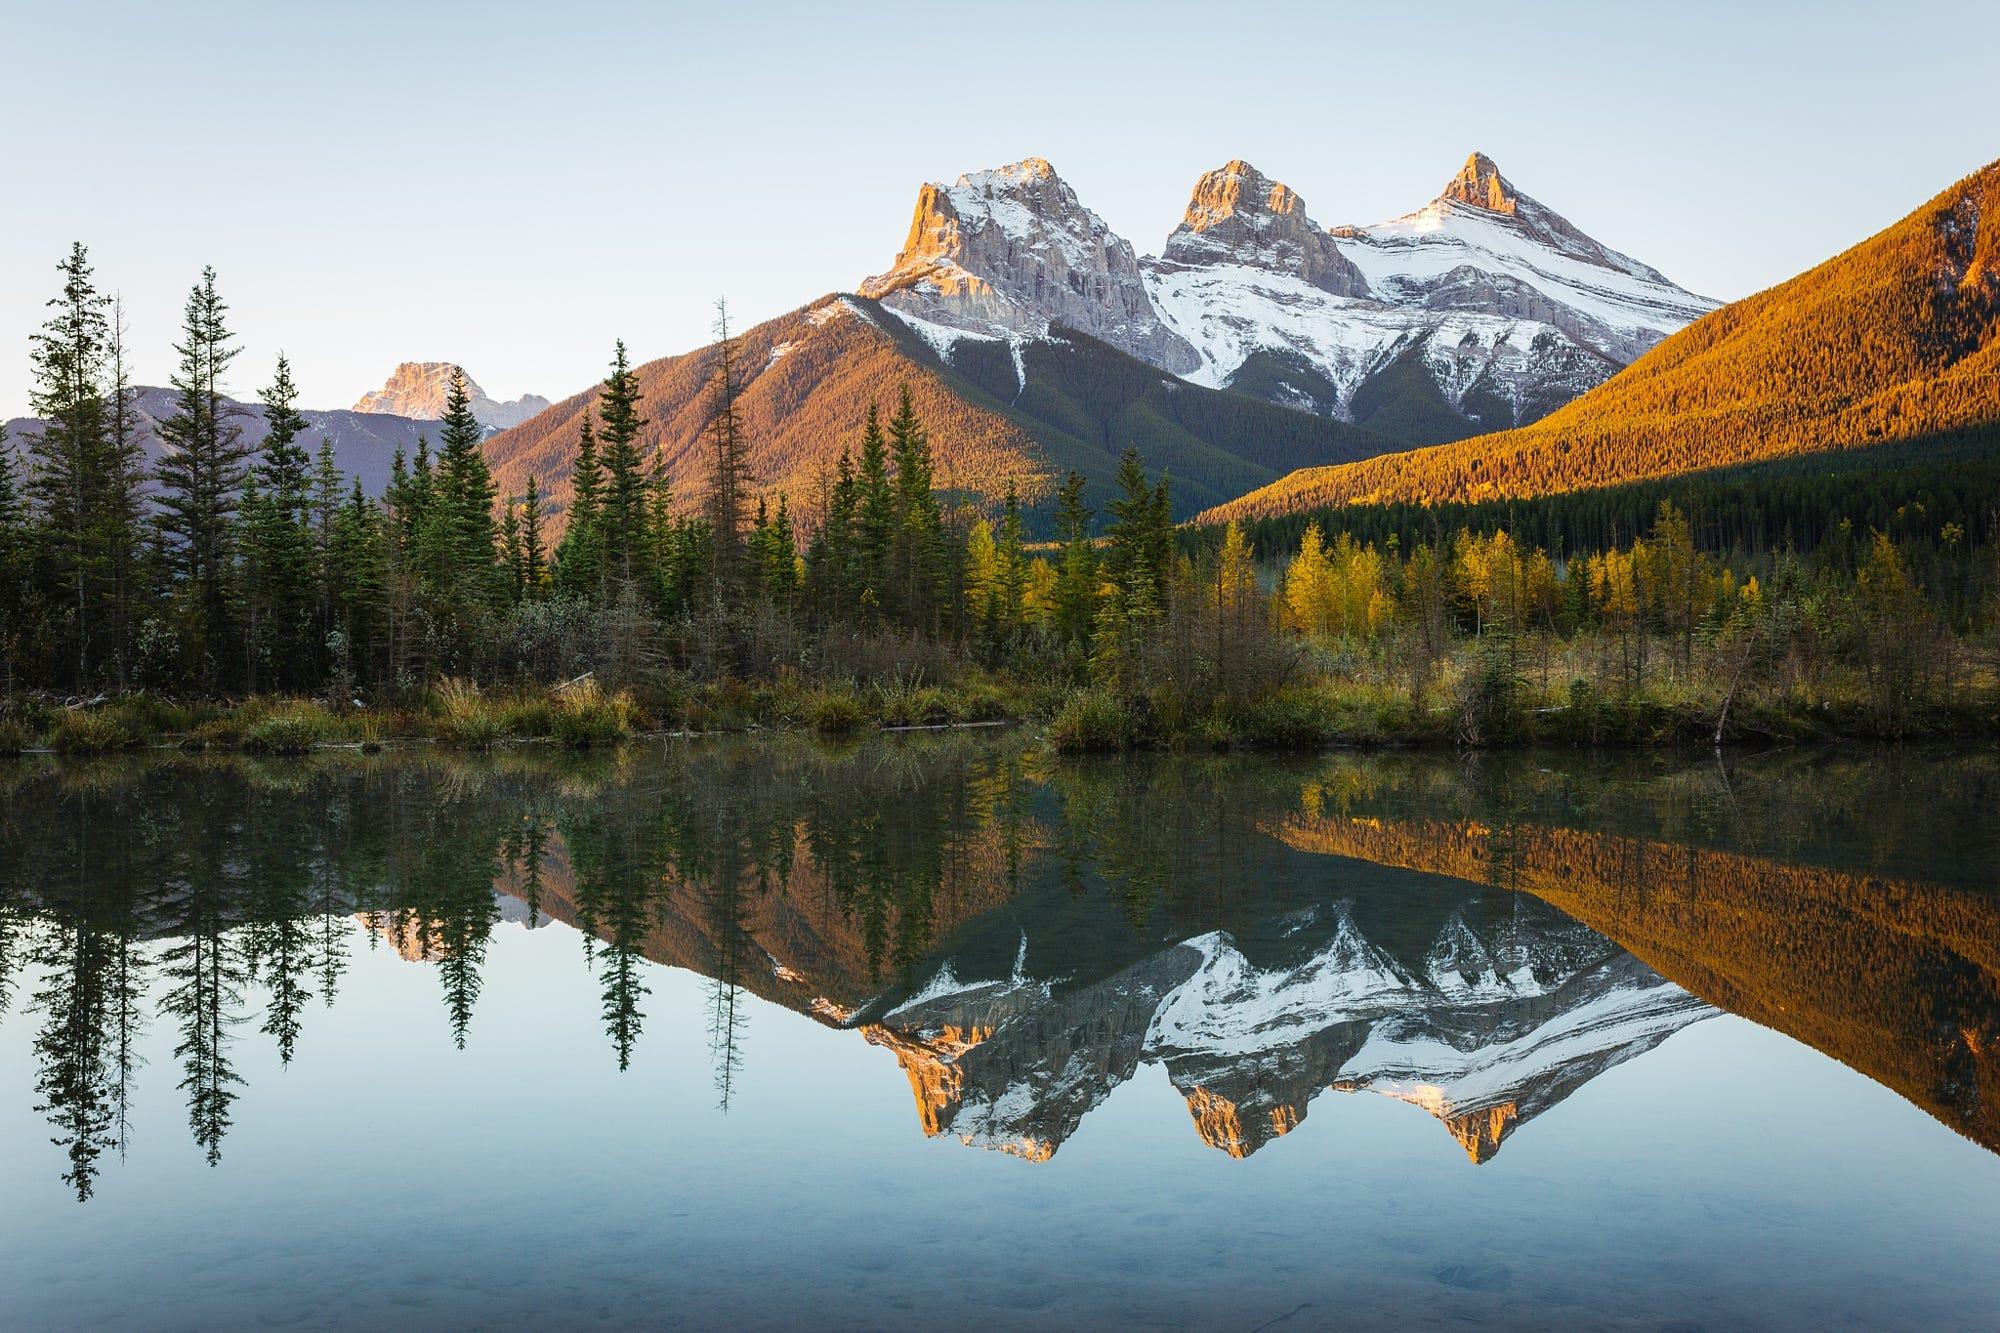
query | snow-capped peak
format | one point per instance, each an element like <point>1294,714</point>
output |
<point>1008,251</point>
<point>1505,307</point>
<point>1509,308</point>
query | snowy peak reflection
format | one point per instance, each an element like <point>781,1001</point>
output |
<point>1017,934</point>
<point>1510,1008</point>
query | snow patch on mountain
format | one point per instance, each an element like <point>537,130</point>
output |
<point>1011,251</point>
<point>1507,308</point>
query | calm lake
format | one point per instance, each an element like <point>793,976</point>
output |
<point>942,1030</point>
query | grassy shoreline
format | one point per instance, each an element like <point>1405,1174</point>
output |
<point>1314,715</point>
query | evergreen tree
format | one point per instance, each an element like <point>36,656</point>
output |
<point>534,555</point>
<point>279,541</point>
<point>511,562</point>
<point>357,572</point>
<point>778,557</point>
<point>1012,553</point>
<point>457,554</point>
<point>200,478</point>
<point>916,549</point>
<point>69,472</point>
<point>874,519</point>
<point>327,500</point>
<point>13,571</point>
<point>579,564</point>
<point>730,475</point>
<point>626,513</point>
<point>830,558</point>
<point>122,517</point>
<point>1075,609</point>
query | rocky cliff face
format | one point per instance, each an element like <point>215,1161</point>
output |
<point>1483,310</point>
<point>1011,251</point>
<point>1238,216</point>
<point>417,389</point>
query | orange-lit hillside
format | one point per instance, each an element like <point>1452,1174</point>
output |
<point>1895,340</point>
<point>1895,978</point>
<point>807,379</point>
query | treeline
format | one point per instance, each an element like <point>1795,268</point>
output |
<point>225,570</point>
<point>267,573</point>
<point>1659,605</point>
<point>1941,515</point>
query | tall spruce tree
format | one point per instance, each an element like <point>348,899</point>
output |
<point>1012,542</point>
<point>628,556</point>
<point>874,520</point>
<point>122,518</point>
<point>358,572</point>
<point>279,542</point>
<point>69,469</point>
<point>13,572</point>
<point>327,500</point>
<point>579,562</point>
<point>459,553</point>
<point>1076,583</point>
<point>830,555</point>
<point>916,551</point>
<point>729,476</point>
<point>534,554</point>
<point>200,476</point>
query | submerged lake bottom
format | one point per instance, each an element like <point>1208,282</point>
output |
<point>946,1030</point>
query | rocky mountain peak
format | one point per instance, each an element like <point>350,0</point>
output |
<point>1008,251</point>
<point>1237,187</point>
<point>1238,215</point>
<point>417,389</point>
<point>1480,184</point>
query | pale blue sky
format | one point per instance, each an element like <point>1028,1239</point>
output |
<point>513,185</point>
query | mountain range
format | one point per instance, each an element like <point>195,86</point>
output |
<point>1504,1012</point>
<point>1037,341</point>
<point>1483,309</point>
<point>1481,346</point>
<point>1894,342</point>
<point>364,443</point>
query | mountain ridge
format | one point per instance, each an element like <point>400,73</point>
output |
<point>1001,410</point>
<point>1484,309</point>
<point>1894,339</point>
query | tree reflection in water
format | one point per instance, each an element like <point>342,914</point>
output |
<point>997,916</point>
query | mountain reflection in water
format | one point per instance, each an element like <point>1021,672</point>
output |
<point>1477,938</point>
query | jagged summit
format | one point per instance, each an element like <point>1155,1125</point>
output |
<point>1219,196</point>
<point>1008,251</point>
<point>417,389</point>
<point>1483,208</point>
<point>1480,184</point>
<point>1482,310</point>
<point>1238,215</point>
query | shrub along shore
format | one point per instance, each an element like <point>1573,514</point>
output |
<point>1460,708</point>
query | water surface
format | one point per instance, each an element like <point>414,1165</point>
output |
<point>942,1030</point>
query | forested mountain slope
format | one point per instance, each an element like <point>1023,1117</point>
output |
<point>999,411</point>
<point>1896,340</point>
